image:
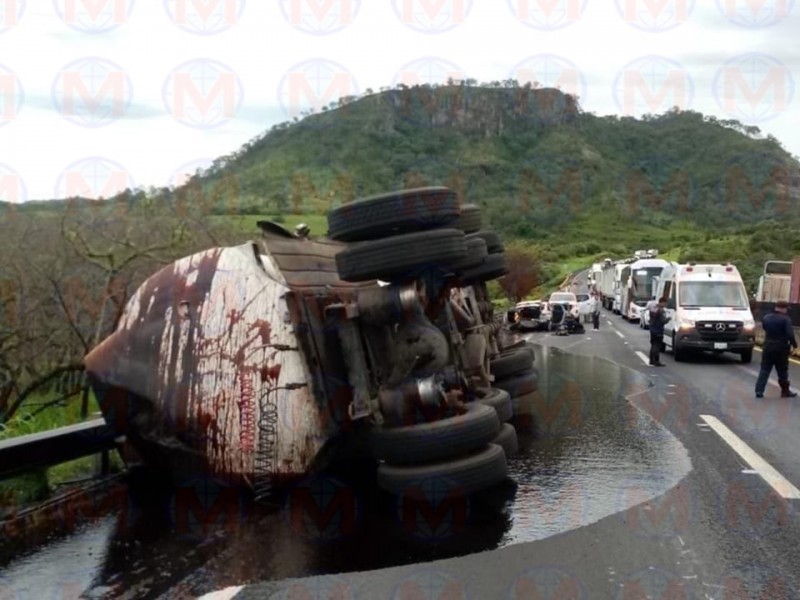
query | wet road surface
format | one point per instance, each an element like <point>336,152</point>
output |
<point>726,531</point>
<point>583,462</point>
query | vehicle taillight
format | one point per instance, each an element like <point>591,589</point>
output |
<point>689,269</point>
<point>729,269</point>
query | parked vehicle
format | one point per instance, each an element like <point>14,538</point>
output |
<point>708,309</point>
<point>595,276</point>
<point>644,314</point>
<point>264,362</point>
<point>640,288</point>
<point>568,300</point>
<point>584,306</point>
<point>775,282</point>
<point>622,272</point>
<point>606,287</point>
<point>528,316</point>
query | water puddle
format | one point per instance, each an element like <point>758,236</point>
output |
<point>590,455</point>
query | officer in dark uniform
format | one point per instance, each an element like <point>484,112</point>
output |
<point>657,321</point>
<point>778,344</point>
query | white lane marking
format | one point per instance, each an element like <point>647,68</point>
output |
<point>620,334</point>
<point>753,372</point>
<point>644,358</point>
<point>778,482</point>
<point>225,594</point>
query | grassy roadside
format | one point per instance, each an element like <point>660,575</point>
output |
<point>38,485</point>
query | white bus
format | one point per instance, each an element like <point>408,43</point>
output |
<point>641,287</point>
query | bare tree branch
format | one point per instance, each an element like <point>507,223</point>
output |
<point>34,385</point>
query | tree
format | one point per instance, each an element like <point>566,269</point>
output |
<point>64,282</point>
<point>524,273</point>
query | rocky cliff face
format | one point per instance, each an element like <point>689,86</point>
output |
<point>488,111</point>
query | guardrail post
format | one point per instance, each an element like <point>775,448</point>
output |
<point>103,463</point>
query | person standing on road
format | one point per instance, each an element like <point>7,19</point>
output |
<point>594,308</point>
<point>658,319</point>
<point>778,344</point>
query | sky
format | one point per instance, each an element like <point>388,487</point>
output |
<point>99,95</point>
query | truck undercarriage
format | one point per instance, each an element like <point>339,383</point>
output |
<point>262,363</point>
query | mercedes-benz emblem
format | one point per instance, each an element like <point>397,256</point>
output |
<point>720,327</point>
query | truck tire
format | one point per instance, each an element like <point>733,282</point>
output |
<point>493,266</point>
<point>476,254</point>
<point>394,213</point>
<point>525,408</point>
<point>520,384</point>
<point>401,255</point>
<point>747,356</point>
<point>500,401</point>
<point>438,440</point>
<point>467,474</point>
<point>507,439</point>
<point>526,346</point>
<point>506,365</point>
<point>470,219</point>
<point>493,242</point>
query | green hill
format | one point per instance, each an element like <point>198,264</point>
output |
<point>530,157</point>
<point>573,185</point>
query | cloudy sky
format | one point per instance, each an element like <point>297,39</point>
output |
<point>97,95</point>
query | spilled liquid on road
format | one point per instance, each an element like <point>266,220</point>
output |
<point>588,454</point>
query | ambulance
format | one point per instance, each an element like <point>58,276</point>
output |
<point>708,309</point>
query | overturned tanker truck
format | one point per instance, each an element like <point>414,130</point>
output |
<point>264,362</point>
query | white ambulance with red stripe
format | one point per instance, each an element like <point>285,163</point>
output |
<point>708,309</point>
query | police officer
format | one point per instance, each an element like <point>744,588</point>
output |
<point>657,321</point>
<point>595,310</point>
<point>778,345</point>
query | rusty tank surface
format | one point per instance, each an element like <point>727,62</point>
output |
<point>263,362</point>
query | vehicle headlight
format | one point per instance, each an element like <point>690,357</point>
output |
<point>687,323</point>
<point>750,325</point>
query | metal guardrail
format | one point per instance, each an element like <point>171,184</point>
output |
<point>56,446</point>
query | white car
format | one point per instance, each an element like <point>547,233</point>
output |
<point>644,319</point>
<point>568,299</point>
<point>584,306</point>
<point>528,315</point>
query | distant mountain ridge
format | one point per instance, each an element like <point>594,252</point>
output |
<point>529,156</point>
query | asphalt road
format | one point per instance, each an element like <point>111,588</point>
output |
<point>727,530</point>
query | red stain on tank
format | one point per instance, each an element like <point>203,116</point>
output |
<point>271,373</point>
<point>264,329</point>
<point>204,420</point>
